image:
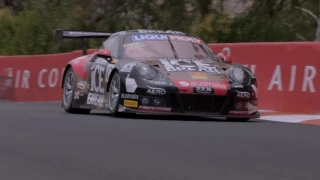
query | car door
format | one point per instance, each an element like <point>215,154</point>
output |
<point>100,70</point>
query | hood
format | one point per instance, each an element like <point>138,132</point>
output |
<point>190,74</point>
<point>192,69</point>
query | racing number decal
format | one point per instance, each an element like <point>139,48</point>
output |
<point>96,94</point>
<point>97,75</point>
<point>100,74</point>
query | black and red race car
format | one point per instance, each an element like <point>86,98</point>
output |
<point>156,72</point>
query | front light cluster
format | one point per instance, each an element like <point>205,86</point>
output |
<point>146,72</point>
<point>240,76</point>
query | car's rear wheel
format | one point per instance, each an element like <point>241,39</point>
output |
<point>68,93</point>
<point>238,119</point>
<point>114,94</point>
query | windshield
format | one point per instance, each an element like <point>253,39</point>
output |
<point>158,46</point>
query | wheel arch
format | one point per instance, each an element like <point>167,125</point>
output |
<point>64,74</point>
<point>110,77</point>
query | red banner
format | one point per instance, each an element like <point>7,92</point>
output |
<point>286,72</point>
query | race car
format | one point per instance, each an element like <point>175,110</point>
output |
<point>156,72</point>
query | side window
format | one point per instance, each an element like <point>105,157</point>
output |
<point>113,45</point>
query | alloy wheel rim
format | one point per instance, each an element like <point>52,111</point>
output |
<point>114,92</point>
<point>68,88</point>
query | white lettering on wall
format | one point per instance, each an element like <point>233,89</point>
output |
<point>309,74</point>
<point>45,77</point>
<point>53,77</point>
<point>276,79</point>
<point>16,84</point>
<point>292,78</point>
<point>40,84</point>
<point>25,79</point>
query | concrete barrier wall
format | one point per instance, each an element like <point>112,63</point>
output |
<point>287,74</point>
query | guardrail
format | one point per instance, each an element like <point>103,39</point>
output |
<point>286,72</point>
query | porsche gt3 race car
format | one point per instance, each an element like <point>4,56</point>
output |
<point>156,72</point>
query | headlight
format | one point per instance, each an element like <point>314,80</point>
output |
<point>146,72</point>
<point>240,76</point>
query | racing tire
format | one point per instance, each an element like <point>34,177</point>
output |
<point>238,119</point>
<point>68,94</point>
<point>114,91</point>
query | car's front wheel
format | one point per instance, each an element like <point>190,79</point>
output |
<point>114,94</point>
<point>68,93</point>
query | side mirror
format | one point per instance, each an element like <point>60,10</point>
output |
<point>104,53</point>
<point>224,55</point>
<point>225,59</point>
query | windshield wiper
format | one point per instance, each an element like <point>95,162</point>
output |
<point>174,51</point>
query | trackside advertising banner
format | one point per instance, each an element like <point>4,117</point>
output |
<point>35,78</point>
<point>287,73</point>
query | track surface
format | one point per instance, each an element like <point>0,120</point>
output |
<point>39,141</point>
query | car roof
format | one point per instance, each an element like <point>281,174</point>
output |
<point>152,31</point>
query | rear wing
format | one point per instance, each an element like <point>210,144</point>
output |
<point>83,35</point>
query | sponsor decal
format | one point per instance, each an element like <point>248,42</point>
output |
<point>156,91</point>
<point>203,84</point>
<point>185,38</point>
<point>243,95</point>
<point>198,75</point>
<point>203,90</point>
<point>95,99</point>
<point>184,83</point>
<point>97,75</point>
<point>159,109</point>
<point>148,37</point>
<point>130,103</point>
<point>178,65</point>
<point>109,69</point>
<point>128,67</point>
<point>76,95</point>
<point>131,85</point>
<point>129,96</point>
<point>82,85</point>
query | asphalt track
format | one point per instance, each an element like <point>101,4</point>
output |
<point>39,141</point>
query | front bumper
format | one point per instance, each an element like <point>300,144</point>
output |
<point>191,105</point>
<point>199,114</point>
